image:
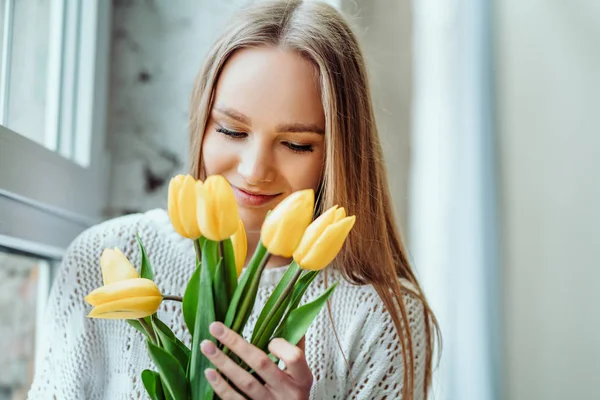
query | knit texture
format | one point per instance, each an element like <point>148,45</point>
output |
<point>102,359</point>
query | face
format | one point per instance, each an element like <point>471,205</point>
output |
<point>266,130</point>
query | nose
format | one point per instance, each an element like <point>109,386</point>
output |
<point>256,163</point>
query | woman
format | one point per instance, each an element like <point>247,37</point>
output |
<point>282,104</point>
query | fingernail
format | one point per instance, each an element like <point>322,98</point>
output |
<point>208,347</point>
<point>216,329</point>
<point>210,374</point>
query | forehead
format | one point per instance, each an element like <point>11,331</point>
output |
<point>271,85</point>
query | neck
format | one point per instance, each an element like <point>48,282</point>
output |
<point>274,261</point>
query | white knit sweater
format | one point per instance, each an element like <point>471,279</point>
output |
<point>103,359</point>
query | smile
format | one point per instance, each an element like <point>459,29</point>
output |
<point>251,199</point>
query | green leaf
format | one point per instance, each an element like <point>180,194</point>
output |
<point>146,270</point>
<point>210,255</point>
<point>170,343</point>
<point>243,298</point>
<point>136,324</point>
<point>299,320</point>
<point>171,372</point>
<point>205,315</point>
<point>167,331</point>
<point>279,289</point>
<point>299,290</point>
<point>190,299</point>
<point>231,278</point>
<point>300,287</point>
<point>262,341</point>
<point>159,325</point>
<point>152,384</point>
<point>220,292</point>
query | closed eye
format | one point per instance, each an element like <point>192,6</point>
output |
<point>232,134</point>
<point>299,148</point>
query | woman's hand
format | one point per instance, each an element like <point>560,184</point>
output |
<point>293,383</point>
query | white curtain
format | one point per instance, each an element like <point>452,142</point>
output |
<point>452,232</point>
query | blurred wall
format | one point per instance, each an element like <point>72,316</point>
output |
<point>548,85</point>
<point>158,47</point>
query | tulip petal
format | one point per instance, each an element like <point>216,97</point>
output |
<point>204,212</point>
<point>226,207</point>
<point>218,212</point>
<point>174,189</point>
<point>285,225</point>
<point>187,207</point>
<point>116,267</point>
<point>131,308</point>
<point>314,231</point>
<point>240,247</point>
<point>340,214</point>
<point>328,245</point>
<point>130,288</point>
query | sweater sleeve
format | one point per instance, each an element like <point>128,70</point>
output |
<point>72,363</point>
<point>378,370</point>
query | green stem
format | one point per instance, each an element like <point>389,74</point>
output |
<point>221,249</point>
<point>288,289</point>
<point>249,297</point>
<point>294,303</point>
<point>198,249</point>
<point>174,298</point>
<point>244,309</point>
<point>149,330</point>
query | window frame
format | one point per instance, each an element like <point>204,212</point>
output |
<point>51,192</point>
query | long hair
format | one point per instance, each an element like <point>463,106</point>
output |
<point>354,173</point>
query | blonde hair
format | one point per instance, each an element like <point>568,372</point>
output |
<point>354,174</point>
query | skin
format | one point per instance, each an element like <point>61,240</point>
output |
<point>265,135</point>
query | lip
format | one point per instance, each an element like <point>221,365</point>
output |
<point>252,199</point>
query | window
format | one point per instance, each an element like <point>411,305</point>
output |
<point>25,284</point>
<point>54,63</point>
<point>53,85</point>
<point>453,232</point>
<point>48,73</point>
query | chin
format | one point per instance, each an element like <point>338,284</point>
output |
<point>252,218</point>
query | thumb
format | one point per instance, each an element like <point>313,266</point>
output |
<point>302,344</point>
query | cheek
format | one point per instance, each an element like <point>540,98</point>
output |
<point>215,156</point>
<point>305,173</point>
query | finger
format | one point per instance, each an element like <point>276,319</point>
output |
<point>221,388</point>
<point>301,346</point>
<point>251,355</point>
<point>241,378</point>
<point>294,359</point>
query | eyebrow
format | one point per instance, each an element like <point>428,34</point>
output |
<point>300,128</point>
<point>293,127</point>
<point>231,113</point>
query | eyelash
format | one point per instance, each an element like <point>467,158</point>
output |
<point>232,134</point>
<point>296,148</point>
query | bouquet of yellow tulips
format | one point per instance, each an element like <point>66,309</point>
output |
<point>207,213</point>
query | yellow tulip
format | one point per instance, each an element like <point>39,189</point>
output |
<point>217,209</point>
<point>128,299</point>
<point>284,226</point>
<point>323,239</point>
<point>116,267</point>
<point>182,205</point>
<point>128,308</point>
<point>240,247</point>
<point>124,295</point>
